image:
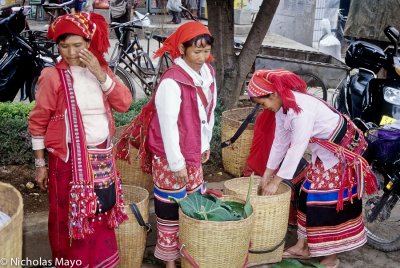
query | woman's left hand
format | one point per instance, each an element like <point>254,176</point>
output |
<point>92,63</point>
<point>205,156</point>
<point>272,186</point>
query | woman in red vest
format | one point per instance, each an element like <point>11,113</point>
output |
<point>181,129</point>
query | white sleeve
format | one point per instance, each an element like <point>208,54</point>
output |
<point>168,102</point>
<point>301,131</point>
<point>212,119</point>
<point>280,144</point>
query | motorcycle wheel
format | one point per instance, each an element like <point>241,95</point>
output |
<point>34,86</point>
<point>315,86</point>
<point>383,232</point>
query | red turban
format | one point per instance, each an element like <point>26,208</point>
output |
<point>182,34</point>
<point>264,82</point>
<point>91,26</point>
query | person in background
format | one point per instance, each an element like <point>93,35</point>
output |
<point>180,132</point>
<point>330,207</point>
<point>174,6</point>
<point>72,119</point>
<point>193,6</point>
<point>121,11</point>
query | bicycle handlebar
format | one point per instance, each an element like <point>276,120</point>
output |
<point>129,23</point>
<point>53,5</point>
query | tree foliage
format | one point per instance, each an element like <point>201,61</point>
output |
<point>231,67</point>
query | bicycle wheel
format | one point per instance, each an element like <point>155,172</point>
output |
<point>383,230</point>
<point>164,63</point>
<point>146,70</point>
<point>315,86</point>
<point>126,79</point>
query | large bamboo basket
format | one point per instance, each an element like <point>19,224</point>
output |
<point>234,156</point>
<point>215,244</point>
<point>131,237</point>
<point>132,174</point>
<point>271,214</point>
<point>11,203</point>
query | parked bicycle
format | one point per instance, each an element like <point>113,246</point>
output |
<point>134,60</point>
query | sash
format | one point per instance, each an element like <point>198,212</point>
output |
<point>83,201</point>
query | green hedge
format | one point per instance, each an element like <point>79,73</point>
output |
<point>16,148</point>
<point>15,145</point>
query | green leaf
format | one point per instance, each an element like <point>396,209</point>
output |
<point>204,207</point>
<point>247,206</point>
<point>292,263</point>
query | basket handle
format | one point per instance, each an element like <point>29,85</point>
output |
<point>139,217</point>
<point>267,250</point>
<point>241,128</point>
<point>184,253</point>
<point>193,263</point>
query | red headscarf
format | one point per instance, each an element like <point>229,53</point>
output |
<point>91,26</point>
<point>264,82</point>
<point>183,34</point>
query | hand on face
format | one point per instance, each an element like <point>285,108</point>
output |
<point>91,62</point>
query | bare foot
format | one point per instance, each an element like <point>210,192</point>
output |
<point>296,252</point>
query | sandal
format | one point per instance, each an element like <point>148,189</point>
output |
<point>289,254</point>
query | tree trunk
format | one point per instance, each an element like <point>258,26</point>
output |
<point>232,69</point>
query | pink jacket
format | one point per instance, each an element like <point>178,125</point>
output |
<point>47,118</point>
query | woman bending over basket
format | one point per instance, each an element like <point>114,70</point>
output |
<point>73,120</point>
<point>329,213</point>
<point>181,129</point>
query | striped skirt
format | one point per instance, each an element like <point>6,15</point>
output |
<point>327,230</point>
<point>165,186</point>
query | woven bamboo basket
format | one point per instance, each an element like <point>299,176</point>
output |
<point>271,214</point>
<point>11,232</point>
<point>132,174</point>
<point>131,237</point>
<point>234,156</point>
<point>215,244</point>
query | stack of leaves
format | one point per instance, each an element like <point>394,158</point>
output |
<point>210,208</point>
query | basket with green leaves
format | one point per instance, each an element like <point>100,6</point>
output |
<point>214,232</point>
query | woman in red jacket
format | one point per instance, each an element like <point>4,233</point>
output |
<point>73,121</point>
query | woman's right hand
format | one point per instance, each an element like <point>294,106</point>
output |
<point>265,180</point>
<point>181,175</point>
<point>41,177</point>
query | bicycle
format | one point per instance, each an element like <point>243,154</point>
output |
<point>134,60</point>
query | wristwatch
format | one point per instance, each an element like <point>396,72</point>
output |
<point>40,162</point>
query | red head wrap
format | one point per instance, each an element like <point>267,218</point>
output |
<point>264,82</point>
<point>91,26</point>
<point>183,34</point>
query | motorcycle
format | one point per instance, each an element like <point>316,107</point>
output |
<point>374,106</point>
<point>22,59</point>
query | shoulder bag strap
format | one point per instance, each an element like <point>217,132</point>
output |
<point>241,128</point>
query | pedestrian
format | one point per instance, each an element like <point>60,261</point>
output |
<point>72,119</point>
<point>181,129</point>
<point>120,12</point>
<point>193,6</point>
<point>330,207</point>
<point>174,6</point>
